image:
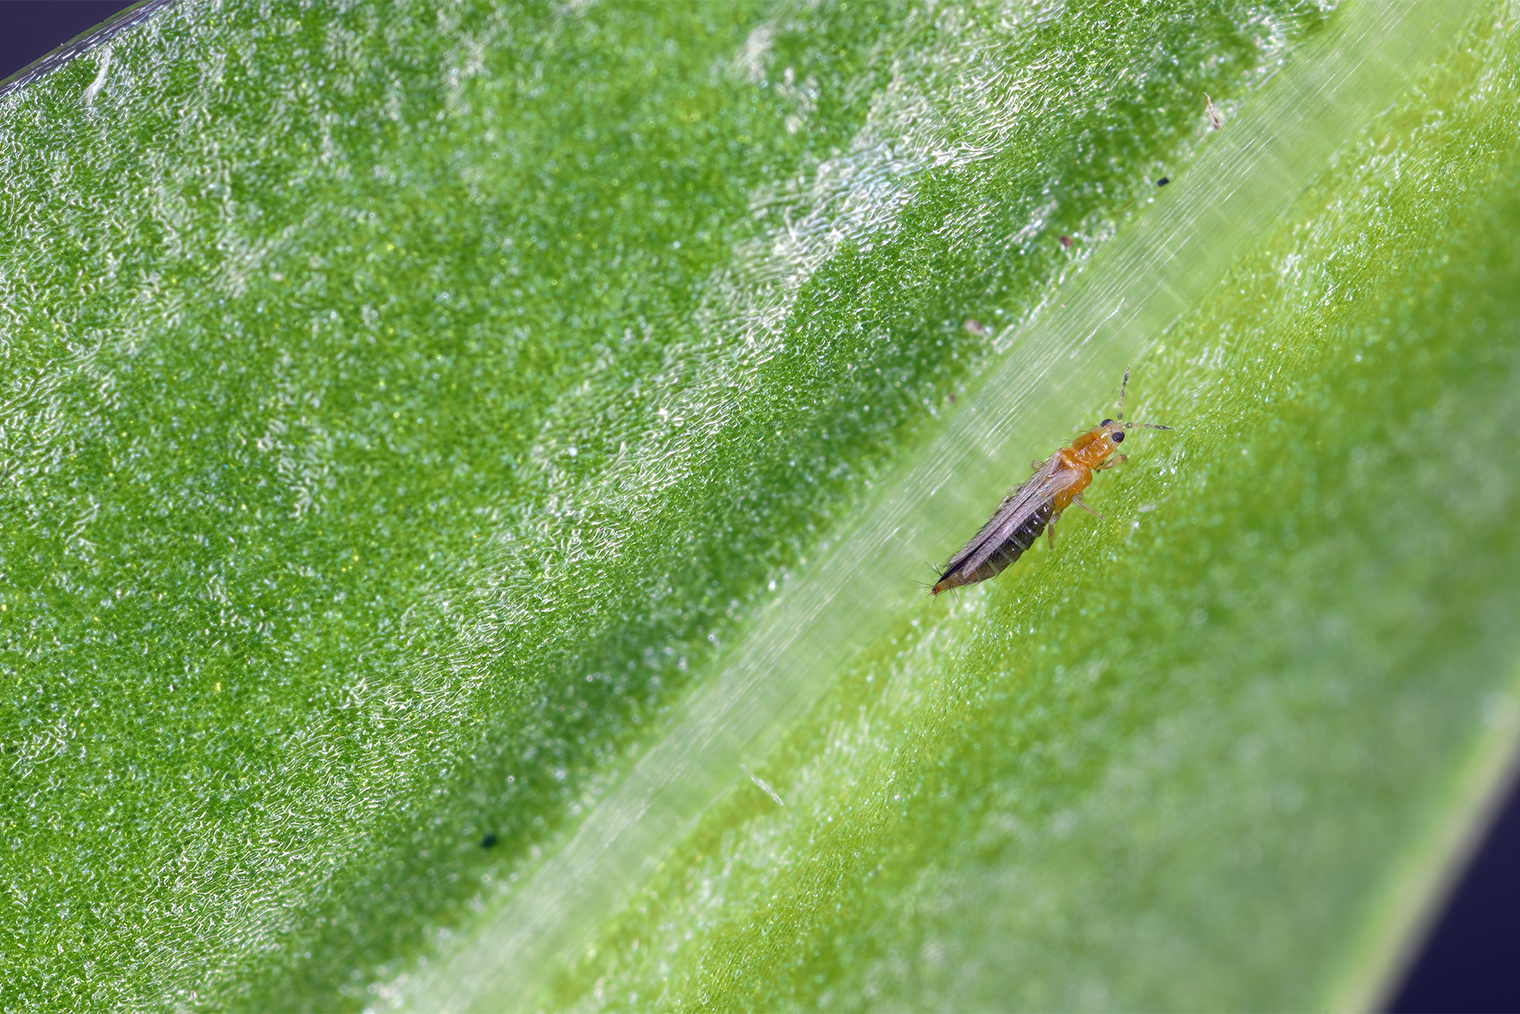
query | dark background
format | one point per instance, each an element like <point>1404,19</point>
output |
<point>1465,965</point>
<point>30,29</point>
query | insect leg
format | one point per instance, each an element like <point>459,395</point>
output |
<point>1117,459</point>
<point>1036,465</point>
<point>1078,501</point>
<point>1050,530</point>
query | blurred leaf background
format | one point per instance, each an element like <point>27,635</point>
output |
<point>405,408</point>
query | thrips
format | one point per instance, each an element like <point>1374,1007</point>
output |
<point>1036,506</point>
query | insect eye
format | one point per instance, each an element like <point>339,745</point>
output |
<point>1119,437</point>
<point>1106,422</point>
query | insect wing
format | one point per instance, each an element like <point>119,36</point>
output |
<point>1018,508</point>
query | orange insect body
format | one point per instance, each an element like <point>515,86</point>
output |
<point>1036,506</point>
<point>1081,456</point>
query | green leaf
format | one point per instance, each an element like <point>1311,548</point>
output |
<point>435,428</point>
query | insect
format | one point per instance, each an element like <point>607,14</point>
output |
<point>1036,506</point>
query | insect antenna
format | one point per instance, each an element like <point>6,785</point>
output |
<point>1120,416</point>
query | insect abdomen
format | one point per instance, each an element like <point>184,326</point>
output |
<point>1009,551</point>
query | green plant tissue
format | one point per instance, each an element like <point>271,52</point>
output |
<point>1174,764</point>
<point>405,407</point>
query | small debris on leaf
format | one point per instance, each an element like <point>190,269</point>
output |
<point>1214,120</point>
<point>975,327</point>
<point>1066,242</point>
<point>488,840</point>
<point>1163,181</point>
<point>763,785</point>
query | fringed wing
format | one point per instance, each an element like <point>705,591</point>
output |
<point>1019,519</point>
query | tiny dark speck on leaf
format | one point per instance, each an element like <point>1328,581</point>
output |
<point>488,840</point>
<point>1163,181</point>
